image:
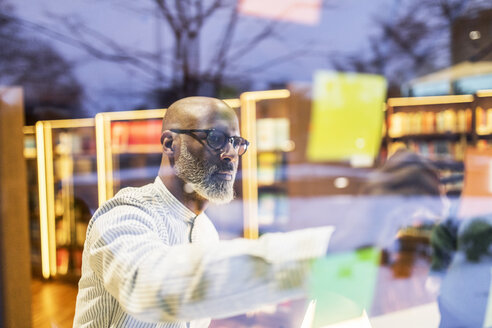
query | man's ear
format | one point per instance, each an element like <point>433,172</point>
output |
<point>167,142</point>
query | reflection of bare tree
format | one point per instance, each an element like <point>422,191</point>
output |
<point>43,73</point>
<point>413,40</point>
<point>189,63</point>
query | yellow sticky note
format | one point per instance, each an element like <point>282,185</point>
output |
<point>347,117</point>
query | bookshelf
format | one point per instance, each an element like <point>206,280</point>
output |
<point>128,149</point>
<point>440,128</point>
<point>265,123</point>
<point>67,184</point>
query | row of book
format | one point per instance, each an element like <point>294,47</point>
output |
<point>435,150</point>
<point>141,132</point>
<point>273,140</point>
<point>273,134</point>
<point>68,261</point>
<point>427,122</point>
<point>81,141</point>
<point>271,168</point>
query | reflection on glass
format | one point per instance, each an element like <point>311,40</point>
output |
<point>405,249</point>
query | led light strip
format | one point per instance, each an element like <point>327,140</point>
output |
<point>50,196</point>
<point>43,202</point>
<point>101,159</point>
<point>484,93</point>
<point>434,100</point>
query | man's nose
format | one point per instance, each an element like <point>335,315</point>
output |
<point>229,153</point>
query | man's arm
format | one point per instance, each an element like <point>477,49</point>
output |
<point>156,282</point>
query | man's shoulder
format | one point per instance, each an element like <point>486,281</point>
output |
<point>144,198</point>
<point>143,193</point>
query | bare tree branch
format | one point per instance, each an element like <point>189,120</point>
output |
<point>186,20</point>
<point>182,15</point>
<point>254,41</point>
<point>118,55</point>
<point>210,10</point>
<point>170,19</point>
<point>279,60</point>
<point>219,60</point>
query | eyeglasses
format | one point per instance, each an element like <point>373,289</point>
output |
<point>217,140</point>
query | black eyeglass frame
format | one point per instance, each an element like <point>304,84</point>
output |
<point>232,139</point>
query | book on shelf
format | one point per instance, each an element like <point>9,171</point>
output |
<point>427,122</point>
<point>273,208</point>
<point>272,134</point>
<point>131,133</point>
<point>434,150</point>
<point>266,168</point>
<point>62,260</point>
<point>271,168</point>
<point>484,120</point>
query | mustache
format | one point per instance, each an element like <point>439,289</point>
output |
<point>224,166</point>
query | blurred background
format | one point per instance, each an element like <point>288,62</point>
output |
<point>327,92</point>
<point>79,58</point>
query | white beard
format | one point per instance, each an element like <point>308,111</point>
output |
<point>201,176</point>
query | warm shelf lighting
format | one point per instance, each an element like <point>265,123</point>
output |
<point>434,100</point>
<point>484,93</point>
<point>43,202</point>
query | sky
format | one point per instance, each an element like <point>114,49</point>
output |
<point>343,28</point>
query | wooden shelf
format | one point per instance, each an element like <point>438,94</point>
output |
<point>485,136</point>
<point>445,150</point>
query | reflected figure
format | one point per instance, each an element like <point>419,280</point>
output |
<point>405,192</point>
<point>411,184</point>
<point>404,173</point>
<point>395,212</point>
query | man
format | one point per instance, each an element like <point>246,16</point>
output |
<point>152,257</point>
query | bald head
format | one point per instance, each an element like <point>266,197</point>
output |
<point>196,113</point>
<point>200,142</point>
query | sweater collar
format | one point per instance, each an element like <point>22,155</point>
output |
<point>179,209</point>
